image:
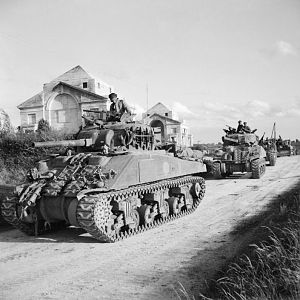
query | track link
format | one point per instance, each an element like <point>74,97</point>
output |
<point>88,220</point>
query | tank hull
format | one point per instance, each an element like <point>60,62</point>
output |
<point>108,196</point>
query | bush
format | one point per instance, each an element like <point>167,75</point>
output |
<point>43,126</point>
<point>17,153</point>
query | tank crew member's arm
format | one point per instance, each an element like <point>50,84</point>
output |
<point>125,107</point>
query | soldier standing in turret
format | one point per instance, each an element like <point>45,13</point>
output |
<point>118,108</point>
<point>246,128</point>
<point>240,127</point>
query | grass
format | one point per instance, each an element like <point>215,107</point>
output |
<point>269,266</point>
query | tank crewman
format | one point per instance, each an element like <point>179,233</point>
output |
<point>240,127</point>
<point>246,128</point>
<point>118,108</point>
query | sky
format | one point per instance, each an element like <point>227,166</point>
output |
<point>211,61</point>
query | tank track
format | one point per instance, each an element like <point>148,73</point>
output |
<point>9,213</point>
<point>9,208</point>
<point>87,206</point>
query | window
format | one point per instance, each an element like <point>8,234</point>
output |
<point>31,119</point>
<point>166,114</point>
<point>84,85</point>
<point>174,130</point>
<point>60,116</point>
<point>98,85</point>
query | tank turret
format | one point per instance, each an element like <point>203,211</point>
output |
<point>112,137</point>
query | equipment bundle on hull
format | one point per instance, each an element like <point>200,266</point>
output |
<point>116,184</point>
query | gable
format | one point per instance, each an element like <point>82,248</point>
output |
<point>158,108</point>
<point>156,116</point>
<point>60,87</point>
<point>34,101</point>
<point>76,72</point>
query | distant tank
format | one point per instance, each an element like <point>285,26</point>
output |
<point>117,184</point>
<point>240,153</point>
<point>284,148</point>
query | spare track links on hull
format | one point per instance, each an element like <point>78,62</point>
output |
<point>94,212</point>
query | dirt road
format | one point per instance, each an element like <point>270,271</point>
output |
<point>71,265</point>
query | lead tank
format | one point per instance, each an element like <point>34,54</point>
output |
<point>116,184</point>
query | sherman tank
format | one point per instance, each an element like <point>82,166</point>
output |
<point>240,153</point>
<point>284,148</point>
<point>115,185</point>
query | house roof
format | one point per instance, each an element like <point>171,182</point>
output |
<point>76,70</point>
<point>34,101</point>
<point>80,72</point>
<point>164,117</point>
<point>159,104</point>
<point>80,90</point>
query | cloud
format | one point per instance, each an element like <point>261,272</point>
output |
<point>279,48</point>
<point>183,112</point>
<point>290,111</point>
<point>137,109</point>
<point>256,108</point>
<point>285,48</point>
<point>216,114</point>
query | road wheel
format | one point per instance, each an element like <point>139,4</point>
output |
<point>196,190</point>
<point>255,169</point>
<point>145,215</point>
<point>174,206</point>
<point>273,157</point>
<point>258,168</point>
<point>167,210</point>
<point>136,219</point>
<point>216,170</point>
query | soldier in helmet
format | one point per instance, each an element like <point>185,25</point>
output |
<point>118,108</point>
<point>240,127</point>
<point>246,128</point>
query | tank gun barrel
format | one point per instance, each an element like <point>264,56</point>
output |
<point>94,111</point>
<point>65,143</point>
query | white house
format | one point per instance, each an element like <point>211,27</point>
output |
<point>62,101</point>
<point>166,126</point>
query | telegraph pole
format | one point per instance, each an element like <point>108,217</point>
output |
<point>147,93</point>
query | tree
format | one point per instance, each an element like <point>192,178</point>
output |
<point>5,124</point>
